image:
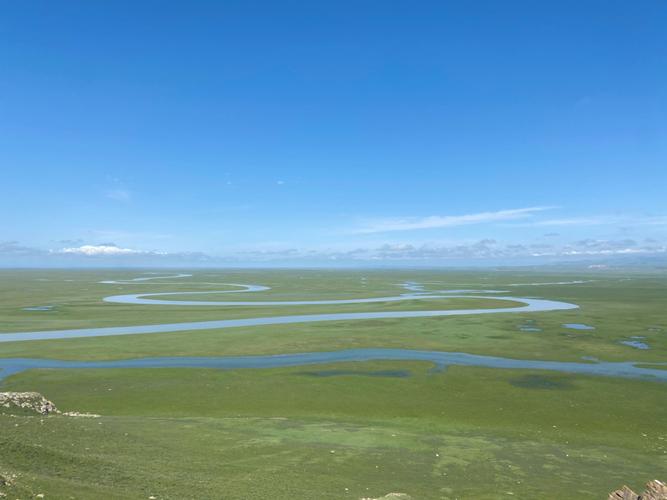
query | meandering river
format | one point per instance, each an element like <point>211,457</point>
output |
<point>9,366</point>
<point>441,359</point>
<point>529,305</point>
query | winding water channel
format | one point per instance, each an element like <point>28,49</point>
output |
<point>529,305</point>
<point>9,366</point>
<point>440,359</point>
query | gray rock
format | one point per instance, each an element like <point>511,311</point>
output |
<point>32,401</point>
<point>655,490</point>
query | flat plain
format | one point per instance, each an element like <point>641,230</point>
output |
<point>338,430</point>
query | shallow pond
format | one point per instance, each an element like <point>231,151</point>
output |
<point>578,326</point>
<point>637,344</point>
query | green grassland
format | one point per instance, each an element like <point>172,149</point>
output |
<point>346,430</point>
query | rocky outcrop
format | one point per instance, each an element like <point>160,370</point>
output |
<point>34,402</point>
<point>655,490</point>
<point>31,401</point>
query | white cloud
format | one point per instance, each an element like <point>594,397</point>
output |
<point>438,221</point>
<point>485,249</point>
<point>388,253</point>
<point>105,250</point>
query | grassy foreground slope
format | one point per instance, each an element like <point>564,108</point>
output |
<point>350,430</point>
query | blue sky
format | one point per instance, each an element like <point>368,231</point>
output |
<point>332,132</point>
